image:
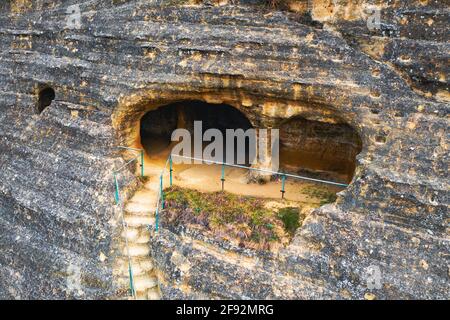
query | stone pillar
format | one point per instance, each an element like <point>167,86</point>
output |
<point>267,149</point>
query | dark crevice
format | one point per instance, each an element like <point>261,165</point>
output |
<point>45,98</point>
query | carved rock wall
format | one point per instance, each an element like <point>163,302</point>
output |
<point>58,225</point>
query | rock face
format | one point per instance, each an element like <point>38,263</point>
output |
<point>59,228</point>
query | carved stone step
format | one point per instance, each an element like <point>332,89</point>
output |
<point>139,208</point>
<point>153,294</point>
<point>143,283</point>
<point>138,220</point>
<point>137,250</point>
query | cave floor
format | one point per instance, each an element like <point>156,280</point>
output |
<point>206,178</point>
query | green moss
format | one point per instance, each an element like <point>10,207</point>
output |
<point>257,217</point>
<point>291,219</point>
<point>323,194</point>
<point>176,196</point>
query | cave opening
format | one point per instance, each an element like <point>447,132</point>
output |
<point>258,215</point>
<point>158,125</point>
<point>314,148</point>
<point>319,149</point>
<point>45,98</point>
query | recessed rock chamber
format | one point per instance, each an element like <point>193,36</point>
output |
<point>231,206</point>
<point>324,150</point>
<point>45,98</point>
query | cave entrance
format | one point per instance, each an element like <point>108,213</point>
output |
<point>158,125</point>
<point>319,149</point>
<point>45,98</point>
<point>323,149</point>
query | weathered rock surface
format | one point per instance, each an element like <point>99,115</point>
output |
<point>59,228</point>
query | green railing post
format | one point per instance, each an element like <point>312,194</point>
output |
<point>223,176</point>
<point>142,163</point>
<point>161,191</point>
<point>157,218</point>
<point>116,186</point>
<point>171,168</point>
<point>283,182</point>
<point>130,272</point>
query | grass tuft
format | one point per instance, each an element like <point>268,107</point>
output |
<point>323,194</point>
<point>291,219</point>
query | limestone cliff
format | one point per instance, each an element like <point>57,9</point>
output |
<point>59,228</point>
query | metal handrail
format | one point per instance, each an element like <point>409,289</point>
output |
<point>121,206</point>
<point>125,230</point>
<point>129,148</point>
<point>264,170</point>
<point>160,196</point>
<point>141,156</point>
<point>126,164</point>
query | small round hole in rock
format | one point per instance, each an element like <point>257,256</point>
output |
<point>46,96</point>
<point>376,73</point>
<point>380,139</point>
<point>375,94</point>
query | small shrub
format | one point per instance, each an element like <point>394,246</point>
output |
<point>291,219</point>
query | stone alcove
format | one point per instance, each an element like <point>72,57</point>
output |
<point>155,115</point>
<point>158,125</point>
<point>45,97</point>
<point>331,141</point>
<point>319,149</point>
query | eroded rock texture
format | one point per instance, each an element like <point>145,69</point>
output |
<point>59,227</point>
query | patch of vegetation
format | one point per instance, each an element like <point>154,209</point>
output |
<point>246,220</point>
<point>188,198</point>
<point>291,219</point>
<point>323,194</point>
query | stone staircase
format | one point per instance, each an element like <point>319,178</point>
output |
<point>139,215</point>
